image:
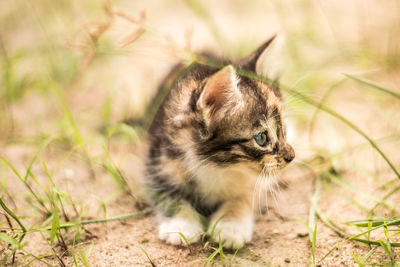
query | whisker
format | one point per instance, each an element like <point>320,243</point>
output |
<point>273,132</point>
<point>270,182</point>
<point>277,188</point>
<point>266,194</point>
<point>256,186</point>
<point>259,195</point>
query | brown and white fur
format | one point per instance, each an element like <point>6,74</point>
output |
<point>214,135</point>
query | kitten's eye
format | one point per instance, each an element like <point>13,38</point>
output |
<point>261,139</point>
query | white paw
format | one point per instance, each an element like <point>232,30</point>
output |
<point>232,234</point>
<point>169,229</point>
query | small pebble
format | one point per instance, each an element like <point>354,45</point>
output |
<point>287,260</point>
<point>144,240</point>
<point>69,173</point>
<point>292,236</point>
<point>304,234</point>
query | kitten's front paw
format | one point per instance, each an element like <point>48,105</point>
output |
<point>232,234</point>
<point>169,230</point>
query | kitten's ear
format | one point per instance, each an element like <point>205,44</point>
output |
<point>251,62</point>
<point>220,91</point>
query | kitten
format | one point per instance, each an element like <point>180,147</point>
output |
<point>213,135</point>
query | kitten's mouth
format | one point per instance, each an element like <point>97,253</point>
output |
<point>273,166</point>
<point>270,166</point>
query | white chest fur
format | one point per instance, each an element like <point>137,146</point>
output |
<point>216,183</point>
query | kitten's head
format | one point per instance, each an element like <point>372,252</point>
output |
<point>242,119</point>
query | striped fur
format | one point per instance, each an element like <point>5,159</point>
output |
<point>203,158</point>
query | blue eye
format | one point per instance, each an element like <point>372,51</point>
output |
<point>261,139</point>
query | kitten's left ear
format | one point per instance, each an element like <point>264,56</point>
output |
<point>252,62</point>
<point>220,94</point>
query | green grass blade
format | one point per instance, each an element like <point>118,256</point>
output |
<point>394,190</point>
<point>41,147</point>
<point>386,247</point>
<point>330,224</point>
<point>186,241</point>
<point>313,244</point>
<point>84,256</point>
<point>74,256</point>
<point>375,243</point>
<point>148,257</point>
<point>373,229</point>
<point>55,226</point>
<point>64,158</point>
<point>349,124</point>
<point>358,261</point>
<point>322,101</point>
<point>59,93</point>
<point>9,212</point>
<point>10,240</point>
<point>123,128</point>
<point>77,136</point>
<point>94,221</point>
<point>39,258</point>
<point>365,223</point>
<point>368,255</point>
<point>116,174</point>
<point>353,189</point>
<point>372,84</point>
<point>234,256</point>
<point>213,228</point>
<point>221,252</point>
<point>89,250</point>
<point>328,253</point>
<point>211,257</point>
<point>9,165</point>
<point>314,204</point>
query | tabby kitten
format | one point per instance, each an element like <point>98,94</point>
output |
<point>214,134</point>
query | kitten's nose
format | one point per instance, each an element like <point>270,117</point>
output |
<point>288,153</point>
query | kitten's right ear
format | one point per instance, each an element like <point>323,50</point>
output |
<point>251,62</point>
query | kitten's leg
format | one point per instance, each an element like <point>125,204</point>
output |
<point>184,220</point>
<point>233,223</point>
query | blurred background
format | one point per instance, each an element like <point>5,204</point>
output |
<point>72,73</point>
<point>107,58</point>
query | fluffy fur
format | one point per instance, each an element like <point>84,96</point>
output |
<point>207,151</point>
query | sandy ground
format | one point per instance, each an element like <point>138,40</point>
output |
<point>280,238</point>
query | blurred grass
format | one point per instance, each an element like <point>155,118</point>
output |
<point>57,81</point>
